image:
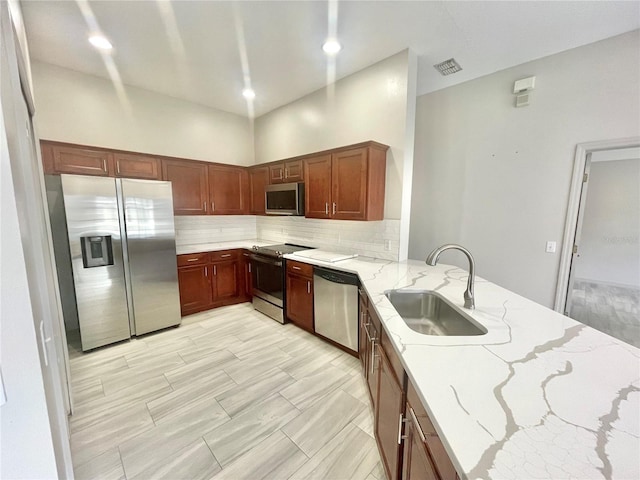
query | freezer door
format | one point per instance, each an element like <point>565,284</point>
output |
<point>151,250</point>
<point>95,246</point>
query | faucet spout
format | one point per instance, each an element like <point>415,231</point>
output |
<point>432,259</point>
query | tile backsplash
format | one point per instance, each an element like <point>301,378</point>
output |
<point>364,238</point>
<point>192,229</point>
<point>371,239</point>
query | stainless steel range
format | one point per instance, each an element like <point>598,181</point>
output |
<point>268,278</point>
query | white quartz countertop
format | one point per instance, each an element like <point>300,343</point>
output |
<point>215,246</point>
<point>538,396</point>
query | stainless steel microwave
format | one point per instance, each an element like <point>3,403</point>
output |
<point>285,199</point>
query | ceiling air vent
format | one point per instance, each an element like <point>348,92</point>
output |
<point>448,67</point>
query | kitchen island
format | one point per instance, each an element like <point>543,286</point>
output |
<point>538,396</point>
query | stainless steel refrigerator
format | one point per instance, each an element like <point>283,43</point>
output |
<point>114,241</point>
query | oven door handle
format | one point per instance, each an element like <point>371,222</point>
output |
<point>267,260</point>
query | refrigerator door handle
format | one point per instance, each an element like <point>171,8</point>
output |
<point>125,256</point>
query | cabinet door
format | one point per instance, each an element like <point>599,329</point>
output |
<point>225,282</point>
<point>416,464</point>
<point>246,282</point>
<point>388,425</point>
<point>317,184</point>
<point>293,171</point>
<point>136,166</point>
<point>258,180</point>
<point>189,185</point>
<point>300,301</point>
<point>276,173</point>
<point>349,181</point>
<point>82,161</point>
<point>227,189</point>
<point>195,288</point>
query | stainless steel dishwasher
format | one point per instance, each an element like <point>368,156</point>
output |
<point>335,306</point>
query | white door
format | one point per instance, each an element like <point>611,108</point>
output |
<point>604,282</point>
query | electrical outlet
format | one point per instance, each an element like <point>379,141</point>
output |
<point>387,245</point>
<point>551,247</point>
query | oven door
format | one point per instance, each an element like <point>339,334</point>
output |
<point>268,279</point>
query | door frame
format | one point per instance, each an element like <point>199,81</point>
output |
<point>583,151</point>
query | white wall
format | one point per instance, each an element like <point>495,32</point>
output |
<point>368,105</point>
<point>34,431</point>
<point>78,108</point>
<point>495,178</point>
<point>610,238</point>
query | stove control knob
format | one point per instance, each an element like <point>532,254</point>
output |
<point>254,248</point>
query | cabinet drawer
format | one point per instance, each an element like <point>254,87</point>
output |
<point>300,268</point>
<point>193,259</point>
<point>224,255</point>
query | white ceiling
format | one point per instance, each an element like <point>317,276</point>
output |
<point>192,49</point>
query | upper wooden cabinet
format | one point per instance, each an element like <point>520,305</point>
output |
<point>228,190</point>
<point>137,166</point>
<point>317,186</point>
<point>347,184</point>
<point>258,180</point>
<point>286,172</point>
<point>76,160</point>
<point>189,182</point>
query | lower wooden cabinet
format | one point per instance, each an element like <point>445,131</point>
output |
<point>409,445</point>
<point>389,417</point>
<point>209,280</point>
<point>246,276</point>
<point>299,290</point>
<point>416,464</point>
<point>195,289</point>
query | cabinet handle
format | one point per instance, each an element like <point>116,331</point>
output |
<point>400,430</point>
<point>326,208</point>
<point>215,271</point>
<point>308,286</point>
<point>334,208</point>
<point>286,173</point>
<point>225,255</point>
<point>104,164</point>
<point>193,260</point>
<point>296,268</point>
<point>213,206</point>
<point>118,167</point>
<point>373,355</point>
<point>414,420</point>
<point>249,268</point>
<point>206,271</point>
<point>204,204</point>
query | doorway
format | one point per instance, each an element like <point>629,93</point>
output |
<point>603,287</point>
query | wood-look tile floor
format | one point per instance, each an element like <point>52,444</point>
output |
<point>230,394</point>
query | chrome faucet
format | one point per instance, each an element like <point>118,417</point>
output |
<point>469,301</point>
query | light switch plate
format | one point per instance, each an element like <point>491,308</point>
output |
<point>551,247</point>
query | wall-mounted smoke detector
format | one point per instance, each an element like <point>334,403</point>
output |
<point>448,67</point>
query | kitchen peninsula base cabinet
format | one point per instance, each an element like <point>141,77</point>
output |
<point>299,290</point>
<point>408,443</point>
<point>209,279</point>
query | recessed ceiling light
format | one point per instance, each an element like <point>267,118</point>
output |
<point>100,42</point>
<point>331,47</point>
<point>248,93</point>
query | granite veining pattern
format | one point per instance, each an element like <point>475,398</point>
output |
<point>538,396</point>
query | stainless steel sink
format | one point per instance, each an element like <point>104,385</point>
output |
<point>429,313</point>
